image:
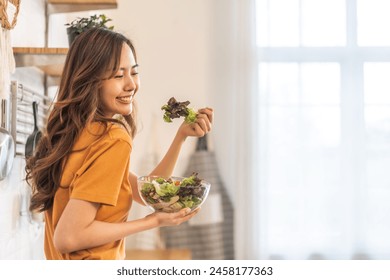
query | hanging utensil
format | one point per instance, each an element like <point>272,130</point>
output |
<point>34,137</point>
<point>7,145</point>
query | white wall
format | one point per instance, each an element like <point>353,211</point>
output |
<point>30,26</point>
<point>183,51</point>
<point>171,38</point>
<point>173,48</point>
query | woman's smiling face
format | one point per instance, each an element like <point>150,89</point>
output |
<point>117,93</point>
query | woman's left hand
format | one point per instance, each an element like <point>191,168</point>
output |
<point>201,126</point>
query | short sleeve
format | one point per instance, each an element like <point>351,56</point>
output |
<point>101,176</point>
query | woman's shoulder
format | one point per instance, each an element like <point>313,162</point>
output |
<point>117,131</point>
<point>97,134</point>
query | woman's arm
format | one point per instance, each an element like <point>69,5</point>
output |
<point>201,126</point>
<point>168,163</point>
<point>77,232</point>
<point>134,188</point>
<point>164,168</point>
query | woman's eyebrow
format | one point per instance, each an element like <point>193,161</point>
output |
<point>132,67</point>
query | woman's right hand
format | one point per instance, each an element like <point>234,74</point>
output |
<point>172,219</point>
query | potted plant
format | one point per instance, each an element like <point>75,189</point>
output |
<point>81,24</point>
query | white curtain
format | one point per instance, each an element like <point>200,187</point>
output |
<point>310,151</point>
<point>245,128</point>
<point>235,95</point>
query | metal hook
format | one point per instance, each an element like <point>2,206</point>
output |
<point>22,88</point>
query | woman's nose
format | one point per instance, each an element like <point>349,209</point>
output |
<point>130,84</point>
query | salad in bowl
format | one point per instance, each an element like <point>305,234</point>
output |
<point>174,193</point>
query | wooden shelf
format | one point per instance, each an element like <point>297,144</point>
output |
<point>49,51</point>
<point>54,70</point>
<point>49,60</point>
<point>68,6</point>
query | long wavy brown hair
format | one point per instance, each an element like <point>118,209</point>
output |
<point>93,57</point>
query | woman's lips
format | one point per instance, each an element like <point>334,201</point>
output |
<point>125,99</point>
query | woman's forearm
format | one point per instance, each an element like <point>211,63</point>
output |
<point>79,234</point>
<point>199,128</point>
<point>164,168</point>
<point>100,233</point>
<point>168,163</point>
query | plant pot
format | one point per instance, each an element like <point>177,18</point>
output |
<point>72,34</point>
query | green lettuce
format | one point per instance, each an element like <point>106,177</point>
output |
<point>189,181</point>
<point>191,117</point>
<point>166,189</point>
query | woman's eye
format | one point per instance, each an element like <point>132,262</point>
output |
<point>134,74</point>
<point>118,76</point>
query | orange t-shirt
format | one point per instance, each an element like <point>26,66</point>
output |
<point>98,173</point>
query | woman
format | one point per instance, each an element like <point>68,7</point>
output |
<point>79,172</point>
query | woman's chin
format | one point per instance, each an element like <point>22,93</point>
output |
<point>127,111</point>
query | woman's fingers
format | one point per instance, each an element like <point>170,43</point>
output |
<point>188,215</point>
<point>207,111</point>
<point>184,215</point>
<point>204,120</point>
<point>174,219</point>
<point>201,126</point>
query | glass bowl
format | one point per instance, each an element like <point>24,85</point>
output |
<point>172,194</point>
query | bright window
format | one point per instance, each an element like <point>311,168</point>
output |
<point>324,88</point>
